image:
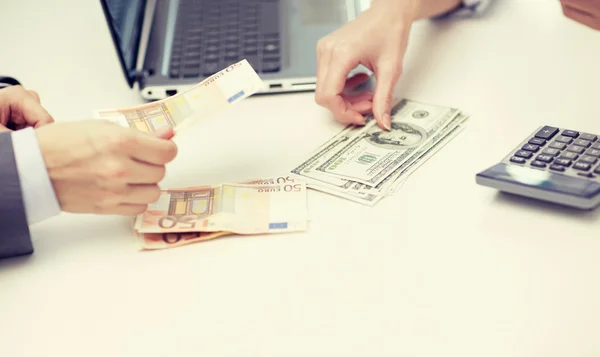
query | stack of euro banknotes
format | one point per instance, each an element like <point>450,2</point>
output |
<point>363,164</point>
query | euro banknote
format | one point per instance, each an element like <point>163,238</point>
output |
<point>236,208</point>
<point>212,95</point>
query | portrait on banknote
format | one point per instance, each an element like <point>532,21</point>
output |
<point>401,136</point>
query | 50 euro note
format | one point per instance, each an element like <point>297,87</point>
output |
<point>203,100</point>
<point>165,240</point>
<point>235,208</point>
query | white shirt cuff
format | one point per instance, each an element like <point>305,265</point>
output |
<point>38,194</point>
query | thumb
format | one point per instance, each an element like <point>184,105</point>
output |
<point>165,133</point>
<point>387,76</point>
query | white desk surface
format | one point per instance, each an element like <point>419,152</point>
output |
<point>445,268</point>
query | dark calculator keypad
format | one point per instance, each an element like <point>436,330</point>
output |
<point>563,162</point>
<point>537,141</point>
<point>593,152</point>
<point>590,137</point>
<point>544,158</point>
<point>524,154</point>
<point>546,132</point>
<point>569,155</point>
<point>564,139</point>
<point>570,133</point>
<point>581,166</point>
<point>576,149</point>
<point>537,163</point>
<point>585,143</point>
<point>531,147</point>
<point>551,151</point>
<point>564,151</point>
<point>557,145</point>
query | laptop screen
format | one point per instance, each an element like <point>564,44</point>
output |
<point>125,18</point>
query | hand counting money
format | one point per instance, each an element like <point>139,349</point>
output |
<point>205,99</point>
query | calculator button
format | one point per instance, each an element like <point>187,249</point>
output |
<point>563,162</point>
<point>589,137</point>
<point>557,145</point>
<point>588,159</point>
<point>571,133</point>
<point>544,158</point>
<point>538,163</point>
<point>564,139</point>
<point>593,152</point>
<point>597,171</point>
<point>576,149</point>
<point>596,146</point>
<point>517,160</point>
<point>586,174</point>
<point>581,166</point>
<point>537,141</point>
<point>551,151</point>
<point>530,147</point>
<point>546,132</point>
<point>523,154</point>
<point>584,143</point>
<point>557,168</point>
<point>569,155</point>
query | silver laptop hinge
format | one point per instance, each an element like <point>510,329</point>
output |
<point>144,38</point>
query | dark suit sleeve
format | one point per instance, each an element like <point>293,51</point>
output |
<point>15,239</point>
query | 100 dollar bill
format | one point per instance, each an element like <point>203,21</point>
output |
<point>203,100</point>
<point>371,154</point>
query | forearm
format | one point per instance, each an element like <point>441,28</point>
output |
<point>418,9</point>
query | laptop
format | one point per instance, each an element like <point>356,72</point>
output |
<point>167,46</point>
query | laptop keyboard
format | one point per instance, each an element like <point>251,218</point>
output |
<point>213,34</point>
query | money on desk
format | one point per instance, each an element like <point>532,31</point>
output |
<point>203,100</point>
<point>365,163</point>
<point>194,214</point>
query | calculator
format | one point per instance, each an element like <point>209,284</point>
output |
<point>552,164</point>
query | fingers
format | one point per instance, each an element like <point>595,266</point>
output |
<point>4,129</point>
<point>24,107</point>
<point>332,94</point>
<point>356,80</point>
<point>142,173</point>
<point>146,148</point>
<point>165,133</point>
<point>324,47</point>
<point>387,74</point>
<point>123,209</point>
<point>362,107</point>
<point>129,199</point>
<point>333,68</point>
<point>34,95</point>
<point>141,194</point>
<point>581,16</point>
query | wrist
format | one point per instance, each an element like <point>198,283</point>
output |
<point>405,10</point>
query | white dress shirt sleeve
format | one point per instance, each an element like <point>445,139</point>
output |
<point>38,194</point>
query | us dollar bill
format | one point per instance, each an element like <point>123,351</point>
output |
<point>421,156</point>
<point>444,124</point>
<point>372,153</point>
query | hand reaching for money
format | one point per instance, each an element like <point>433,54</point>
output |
<point>376,39</point>
<point>101,167</point>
